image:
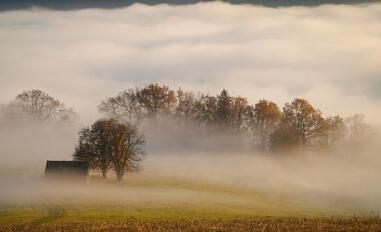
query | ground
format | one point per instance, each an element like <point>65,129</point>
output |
<point>143,204</point>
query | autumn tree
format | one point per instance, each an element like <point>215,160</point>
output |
<point>155,98</point>
<point>125,107</point>
<point>126,148</point>
<point>111,144</point>
<point>38,106</point>
<point>283,138</point>
<point>304,118</point>
<point>94,146</point>
<point>265,120</point>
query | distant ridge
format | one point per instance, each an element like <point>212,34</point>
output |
<point>108,4</point>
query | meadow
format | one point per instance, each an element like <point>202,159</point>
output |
<point>157,204</point>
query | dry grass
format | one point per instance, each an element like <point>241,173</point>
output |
<point>163,205</point>
<point>291,224</point>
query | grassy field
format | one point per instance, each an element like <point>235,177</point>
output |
<point>353,224</point>
<point>146,204</point>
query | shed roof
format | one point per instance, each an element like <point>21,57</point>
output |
<point>67,164</point>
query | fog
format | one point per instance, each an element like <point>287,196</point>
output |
<point>25,147</point>
<point>329,55</point>
<point>346,175</point>
<point>175,153</point>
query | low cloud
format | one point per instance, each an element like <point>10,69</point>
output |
<point>327,54</point>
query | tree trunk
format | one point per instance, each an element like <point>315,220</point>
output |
<point>119,177</point>
<point>304,140</point>
<point>104,174</point>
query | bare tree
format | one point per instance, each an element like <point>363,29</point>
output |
<point>358,129</point>
<point>125,107</point>
<point>333,131</point>
<point>241,113</point>
<point>186,105</point>
<point>206,109</point>
<point>39,106</point>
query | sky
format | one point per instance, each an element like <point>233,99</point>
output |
<point>328,54</point>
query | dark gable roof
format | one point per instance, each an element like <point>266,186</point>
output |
<point>52,164</point>
<point>67,170</point>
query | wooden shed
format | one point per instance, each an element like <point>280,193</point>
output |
<point>68,170</point>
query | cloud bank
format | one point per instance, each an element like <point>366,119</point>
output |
<point>110,4</point>
<point>328,54</point>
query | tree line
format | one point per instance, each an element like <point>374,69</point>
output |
<point>296,124</point>
<point>115,143</point>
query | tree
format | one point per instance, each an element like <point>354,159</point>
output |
<point>126,148</point>
<point>111,144</point>
<point>125,107</point>
<point>265,120</point>
<point>206,109</point>
<point>358,129</point>
<point>304,118</point>
<point>39,106</point>
<point>283,137</point>
<point>155,98</point>
<point>185,108</point>
<point>224,108</point>
<point>94,146</point>
<point>333,131</point>
<point>241,113</point>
